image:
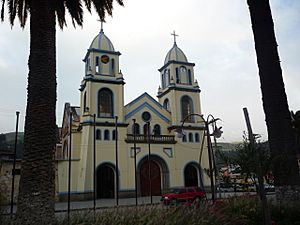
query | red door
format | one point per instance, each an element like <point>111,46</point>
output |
<point>155,179</point>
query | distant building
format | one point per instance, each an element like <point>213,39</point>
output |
<point>173,161</point>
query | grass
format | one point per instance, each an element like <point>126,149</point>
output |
<point>234,211</point>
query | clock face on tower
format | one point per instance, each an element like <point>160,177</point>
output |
<point>104,59</point>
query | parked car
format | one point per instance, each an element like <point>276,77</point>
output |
<point>226,188</point>
<point>183,194</point>
<point>269,187</point>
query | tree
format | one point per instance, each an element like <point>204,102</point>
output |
<point>37,183</point>
<point>278,120</point>
<point>296,128</point>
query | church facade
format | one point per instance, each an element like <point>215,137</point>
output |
<point>134,145</point>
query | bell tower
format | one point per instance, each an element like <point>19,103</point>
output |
<point>179,92</point>
<point>102,91</point>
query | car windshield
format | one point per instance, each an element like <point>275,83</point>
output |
<point>177,190</point>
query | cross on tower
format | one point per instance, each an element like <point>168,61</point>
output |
<point>101,24</point>
<point>175,35</point>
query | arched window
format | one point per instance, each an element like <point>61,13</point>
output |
<point>156,130</point>
<point>177,76</point>
<point>106,135</point>
<point>189,76</point>
<point>187,108</point>
<point>98,134</point>
<point>183,75</point>
<point>146,129</point>
<point>166,78</point>
<point>163,85</point>
<point>166,104</point>
<point>112,67</point>
<point>65,149</point>
<point>97,65</point>
<point>114,135</point>
<point>136,126</point>
<point>105,103</point>
<point>184,138</point>
<point>197,139</point>
<point>191,137</point>
<point>84,102</point>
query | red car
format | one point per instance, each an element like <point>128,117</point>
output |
<point>183,194</point>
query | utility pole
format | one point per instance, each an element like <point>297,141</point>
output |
<point>262,193</point>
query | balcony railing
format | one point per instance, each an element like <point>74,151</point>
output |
<point>154,139</point>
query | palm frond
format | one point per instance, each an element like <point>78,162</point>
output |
<point>2,10</point>
<point>88,4</point>
<point>75,10</point>
<point>60,13</point>
<point>99,6</point>
<point>22,8</point>
<point>11,11</point>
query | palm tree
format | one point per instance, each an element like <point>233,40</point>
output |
<point>278,119</point>
<point>37,183</point>
<point>296,128</point>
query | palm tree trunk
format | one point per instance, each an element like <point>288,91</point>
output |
<point>278,119</point>
<point>37,183</point>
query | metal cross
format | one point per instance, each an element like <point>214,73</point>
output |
<point>101,24</point>
<point>175,35</point>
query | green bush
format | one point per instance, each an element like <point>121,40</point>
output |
<point>286,215</point>
<point>245,210</point>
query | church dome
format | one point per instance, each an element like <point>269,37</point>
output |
<point>102,42</point>
<point>175,54</point>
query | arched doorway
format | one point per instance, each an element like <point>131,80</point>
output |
<point>105,181</point>
<point>190,176</point>
<point>155,178</point>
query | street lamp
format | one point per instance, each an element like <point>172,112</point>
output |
<point>14,167</point>
<point>134,146</point>
<point>149,161</point>
<point>216,133</point>
<point>94,159</point>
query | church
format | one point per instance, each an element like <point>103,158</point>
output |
<point>117,148</point>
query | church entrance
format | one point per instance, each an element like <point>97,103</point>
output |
<point>155,178</point>
<point>190,176</point>
<point>105,181</point>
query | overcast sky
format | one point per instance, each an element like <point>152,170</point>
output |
<point>216,35</point>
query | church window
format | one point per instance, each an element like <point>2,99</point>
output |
<point>84,102</point>
<point>197,139</point>
<point>114,135</point>
<point>105,103</point>
<point>189,77</point>
<point>166,78</point>
<point>163,81</point>
<point>136,128</point>
<point>112,67</point>
<point>183,75</point>
<point>106,135</point>
<point>156,130</point>
<point>146,116</point>
<point>166,104</point>
<point>184,138</point>
<point>191,139</point>
<point>97,65</point>
<point>65,149</point>
<point>98,134</point>
<point>146,129</point>
<point>187,108</point>
<point>177,76</point>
